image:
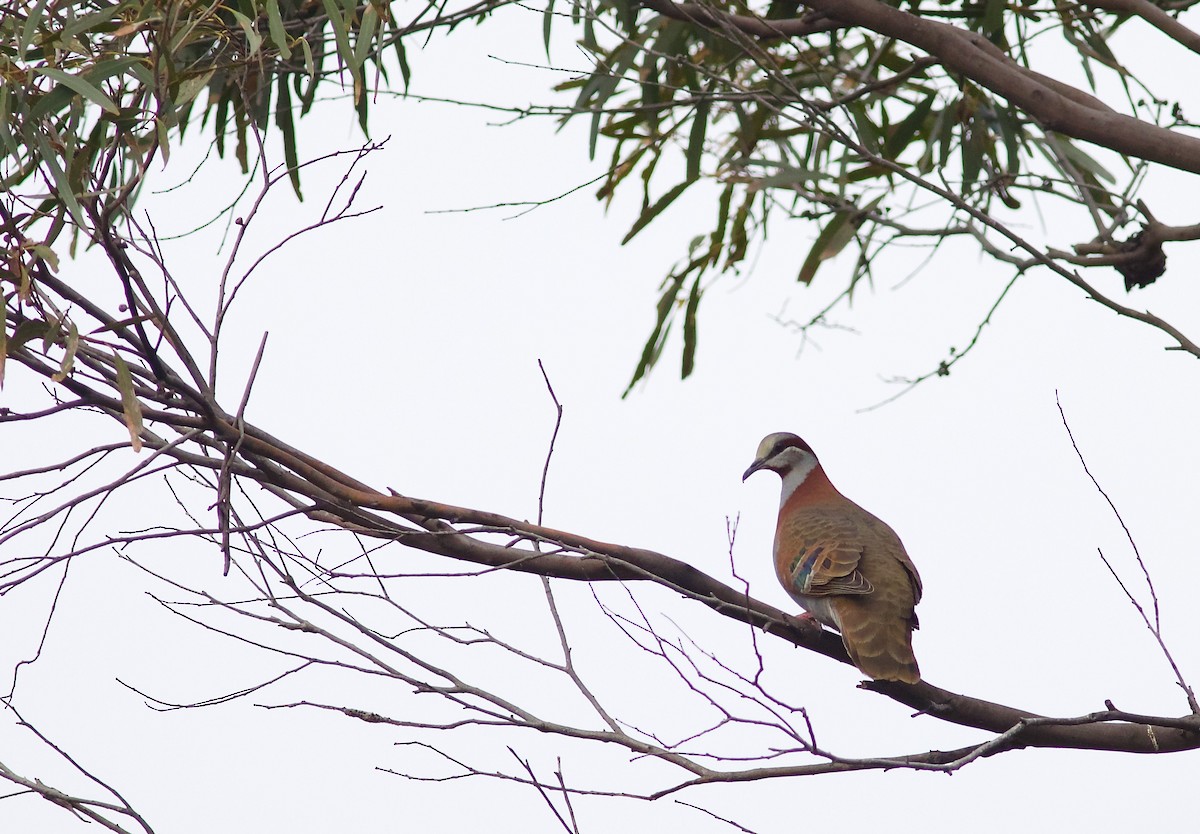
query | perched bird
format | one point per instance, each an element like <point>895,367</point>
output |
<point>843,565</point>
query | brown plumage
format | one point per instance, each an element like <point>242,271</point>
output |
<point>846,568</point>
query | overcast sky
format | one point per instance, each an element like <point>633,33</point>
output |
<point>403,349</point>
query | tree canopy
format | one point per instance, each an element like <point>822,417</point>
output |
<point>879,126</point>
<point>855,127</point>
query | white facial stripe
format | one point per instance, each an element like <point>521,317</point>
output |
<point>797,466</point>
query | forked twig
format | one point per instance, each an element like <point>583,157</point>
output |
<point>1155,627</point>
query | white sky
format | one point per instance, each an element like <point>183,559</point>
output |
<point>403,349</point>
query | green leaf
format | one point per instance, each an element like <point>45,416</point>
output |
<point>868,131</point>
<point>46,254</point>
<point>689,328</point>
<point>972,153</point>
<point>361,103</point>
<point>105,70</point>
<point>63,189</point>
<point>52,334</point>
<point>1084,161</point>
<point>6,116</point>
<point>284,119</point>
<point>366,35</point>
<point>261,102</point>
<point>787,175</point>
<point>658,336</point>
<point>310,68</point>
<point>816,255</point>
<point>547,20</point>
<point>80,86</point>
<point>593,134</point>
<point>866,172</point>
<point>190,87</point>
<point>402,58</point>
<point>90,22</point>
<point>1009,125</point>
<point>3,335</point>
<point>838,232</point>
<point>26,331</point>
<point>946,132</point>
<point>340,35</point>
<point>164,139</point>
<point>253,39</point>
<point>993,17</point>
<point>650,212</point>
<point>717,238</point>
<point>903,133</point>
<point>695,149</point>
<point>221,120</point>
<point>738,238</point>
<point>275,27</point>
<point>141,72</point>
<point>35,16</point>
<point>130,406</point>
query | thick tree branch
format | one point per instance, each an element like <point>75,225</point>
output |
<point>348,502</point>
<point>345,497</point>
<point>1155,16</point>
<point>1057,106</point>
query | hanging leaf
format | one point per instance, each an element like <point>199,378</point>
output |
<point>81,86</point>
<point>275,27</point>
<point>68,360</point>
<point>341,36</point>
<point>658,336</point>
<point>904,132</point>
<point>3,335</point>
<point>547,20</point>
<point>653,211</point>
<point>834,237</point>
<point>689,328</point>
<point>284,120</point>
<point>992,23</point>
<point>129,402</point>
<point>190,87</point>
<point>696,142</point>
<point>310,68</point>
<point>253,39</point>
<point>1081,159</point>
<point>63,190</point>
<point>25,331</point>
<point>366,35</point>
<point>972,153</point>
<point>823,247</point>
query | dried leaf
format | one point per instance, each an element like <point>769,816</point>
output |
<point>68,360</point>
<point>129,402</point>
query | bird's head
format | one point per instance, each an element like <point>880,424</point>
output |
<point>784,453</point>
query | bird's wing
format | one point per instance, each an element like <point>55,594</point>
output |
<point>869,585</point>
<point>821,557</point>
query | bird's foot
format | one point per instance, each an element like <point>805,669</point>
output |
<point>805,622</point>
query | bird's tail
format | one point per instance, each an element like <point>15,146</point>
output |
<point>880,645</point>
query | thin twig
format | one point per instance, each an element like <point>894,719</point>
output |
<point>1154,627</point>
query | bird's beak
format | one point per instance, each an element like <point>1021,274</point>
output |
<point>754,467</point>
